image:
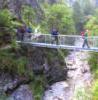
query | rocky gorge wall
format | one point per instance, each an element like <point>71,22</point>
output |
<point>44,62</point>
<point>47,61</point>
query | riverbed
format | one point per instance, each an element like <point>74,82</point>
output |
<point>77,86</point>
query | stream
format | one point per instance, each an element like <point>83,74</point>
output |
<point>77,86</point>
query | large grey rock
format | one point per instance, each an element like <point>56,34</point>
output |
<point>58,91</point>
<point>22,93</point>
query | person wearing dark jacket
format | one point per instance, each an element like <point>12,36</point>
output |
<point>55,34</point>
<point>85,37</point>
<point>20,33</point>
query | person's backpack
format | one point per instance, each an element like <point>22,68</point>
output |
<point>82,33</point>
<point>29,30</point>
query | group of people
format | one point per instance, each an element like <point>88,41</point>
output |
<point>24,32</point>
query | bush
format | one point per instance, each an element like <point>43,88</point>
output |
<point>60,17</point>
<point>93,62</point>
<point>11,63</point>
<point>37,86</point>
<point>28,15</point>
<point>6,27</point>
<point>5,21</point>
<point>95,90</point>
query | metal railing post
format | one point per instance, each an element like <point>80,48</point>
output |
<point>45,39</point>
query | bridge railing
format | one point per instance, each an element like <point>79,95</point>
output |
<point>66,40</point>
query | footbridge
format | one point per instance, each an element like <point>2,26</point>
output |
<point>72,42</point>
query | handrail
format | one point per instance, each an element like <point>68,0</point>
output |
<point>61,35</point>
<point>63,41</point>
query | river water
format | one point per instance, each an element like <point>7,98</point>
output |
<point>77,86</point>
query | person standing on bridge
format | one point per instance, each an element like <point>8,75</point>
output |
<point>21,32</point>
<point>85,36</point>
<point>55,34</point>
<point>29,32</point>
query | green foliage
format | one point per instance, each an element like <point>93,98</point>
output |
<point>78,12</point>
<point>82,94</point>
<point>78,16</point>
<point>14,44</point>
<point>21,65</point>
<point>82,9</point>
<point>92,25</point>
<point>37,87</point>
<point>10,63</point>
<point>87,6</point>
<point>93,62</point>
<point>58,16</point>
<point>5,17</point>
<point>6,27</point>
<point>95,90</point>
<point>28,15</point>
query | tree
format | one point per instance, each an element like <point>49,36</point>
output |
<point>6,26</point>
<point>28,15</point>
<point>17,8</point>
<point>87,6</point>
<point>3,4</point>
<point>78,17</point>
<point>60,17</point>
<point>92,25</point>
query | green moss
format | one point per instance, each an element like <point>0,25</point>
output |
<point>93,62</point>
<point>95,90</point>
<point>37,86</point>
<point>12,62</point>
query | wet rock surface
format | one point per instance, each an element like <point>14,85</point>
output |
<point>22,93</point>
<point>56,74</point>
<point>15,88</point>
<point>79,80</point>
<point>46,61</point>
<point>4,80</point>
<point>57,91</point>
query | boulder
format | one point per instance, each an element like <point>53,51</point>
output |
<point>56,74</point>
<point>57,91</point>
<point>22,93</point>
